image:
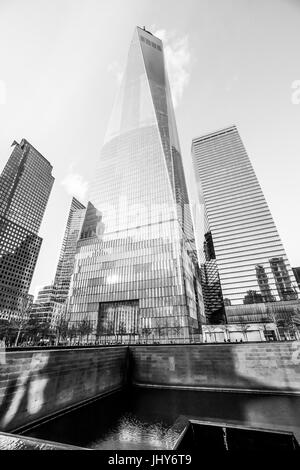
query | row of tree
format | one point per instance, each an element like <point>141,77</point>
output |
<point>35,331</point>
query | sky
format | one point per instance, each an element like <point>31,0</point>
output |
<point>229,62</point>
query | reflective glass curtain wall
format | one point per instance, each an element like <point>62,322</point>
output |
<point>136,275</point>
<point>66,261</point>
<point>251,259</point>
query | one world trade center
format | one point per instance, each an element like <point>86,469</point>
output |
<point>136,276</point>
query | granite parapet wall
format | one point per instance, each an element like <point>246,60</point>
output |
<point>261,367</point>
<point>37,384</point>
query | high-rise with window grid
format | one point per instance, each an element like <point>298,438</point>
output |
<point>25,185</point>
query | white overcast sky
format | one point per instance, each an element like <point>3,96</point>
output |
<point>230,62</point>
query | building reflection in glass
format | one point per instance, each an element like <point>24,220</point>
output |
<point>252,297</point>
<point>296,272</point>
<point>251,260</point>
<point>66,260</point>
<point>211,286</point>
<point>263,283</point>
<point>283,282</point>
<point>136,274</point>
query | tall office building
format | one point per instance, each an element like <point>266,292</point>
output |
<point>25,186</point>
<point>252,263</point>
<point>46,309</point>
<point>49,306</point>
<point>66,261</point>
<point>136,275</point>
<point>296,272</point>
<point>210,281</point>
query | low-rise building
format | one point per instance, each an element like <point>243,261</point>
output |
<point>240,332</point>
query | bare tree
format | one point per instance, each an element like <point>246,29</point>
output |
<point>62,330</point>
<point>177,330</point>
<point>85,328</point>
<point>245,328</point>
<point>146,332</point>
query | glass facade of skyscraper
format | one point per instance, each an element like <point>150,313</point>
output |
<point>252,263</point>
<point>25,186</point>
<point>210,280</point>
<point>66,260</point>
<point>46,310</point>
<point>136,275</point>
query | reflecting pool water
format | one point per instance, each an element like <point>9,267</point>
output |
<point>142,418</point>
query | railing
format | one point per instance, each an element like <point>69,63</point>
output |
<point>15,442</point>
<point>99,345</point>
<point>206,435</point>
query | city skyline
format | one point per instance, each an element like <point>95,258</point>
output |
<point>210,82</point>
<point>149,238</point>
